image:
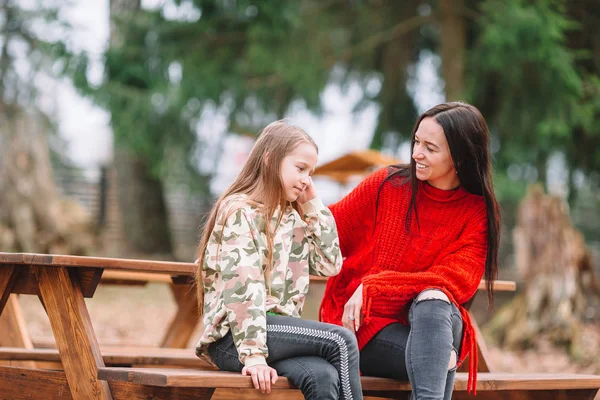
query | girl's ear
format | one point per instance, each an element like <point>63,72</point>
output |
<point>266,158</point>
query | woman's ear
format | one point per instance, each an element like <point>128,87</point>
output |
<point>266,158</point>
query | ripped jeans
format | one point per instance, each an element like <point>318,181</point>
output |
<point>425,352</point>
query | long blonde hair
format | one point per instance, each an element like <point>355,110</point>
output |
<point>262,171</point>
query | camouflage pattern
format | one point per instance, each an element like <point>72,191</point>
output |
<point>236,296</point>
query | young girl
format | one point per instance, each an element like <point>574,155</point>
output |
<point>265,235</point>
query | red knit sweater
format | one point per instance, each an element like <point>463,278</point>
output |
<point>447,252</point>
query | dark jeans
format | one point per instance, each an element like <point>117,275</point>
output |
<point>420,352</point>
<point>320,359</point>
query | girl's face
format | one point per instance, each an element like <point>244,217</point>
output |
<point>296,169</point>
<point>432,155</point>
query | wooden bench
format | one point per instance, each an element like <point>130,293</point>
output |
<point>200,384</point>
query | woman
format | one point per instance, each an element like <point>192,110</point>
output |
<point>417,240</point>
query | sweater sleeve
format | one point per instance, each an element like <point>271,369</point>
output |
<point>239,265</point>
<point>354,214</point>
<point>324,256</point>
<point>457,272</point>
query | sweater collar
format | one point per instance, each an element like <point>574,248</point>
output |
<point>442,196</point>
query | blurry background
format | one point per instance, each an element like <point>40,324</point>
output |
<point>121,120</point>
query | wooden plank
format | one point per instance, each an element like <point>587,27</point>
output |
<point>186,318</point>
<point>485,382</point>
<point>167,267</point>
<point>117,356</point>
<point>13,332</point>
<point>182,377</point>
<point>89,278</point>
<point>563,394</point>
<point>28,384</point>
<point>8,278</point>
<point>27,282</point>
<point>530,381</point>
<point>130,391</point>
<point>132,278</point>
<point>73,332</point>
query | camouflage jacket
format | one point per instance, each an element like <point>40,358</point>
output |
<point>236,296</point>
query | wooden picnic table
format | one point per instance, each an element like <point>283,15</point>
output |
<point>62,283</point>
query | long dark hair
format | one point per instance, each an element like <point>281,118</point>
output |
<point>469,140</point>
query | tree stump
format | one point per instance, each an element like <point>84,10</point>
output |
<point>559,289</point>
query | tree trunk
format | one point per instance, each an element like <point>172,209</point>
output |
<point>144,218</point>
<point>393,59</point>
<point>453,41</point>
<point>559,286</point>
<point>33,216</point>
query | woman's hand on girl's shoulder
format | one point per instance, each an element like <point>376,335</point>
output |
<point>262,376</point>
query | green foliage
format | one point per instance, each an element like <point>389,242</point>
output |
<point>526,80</point>
<point>25,50</point>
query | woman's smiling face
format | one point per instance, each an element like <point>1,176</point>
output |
<point>432,156</point>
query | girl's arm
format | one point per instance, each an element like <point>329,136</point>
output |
<point>239,266</point>
<point>457,273</point>
<point>324,256</point>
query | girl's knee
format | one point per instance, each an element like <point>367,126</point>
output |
<point>348,337</point>
<point>321,381</point>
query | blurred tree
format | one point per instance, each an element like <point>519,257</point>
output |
<point>139,131</point>
<point>33,216</point>
<point>519,61</point>
<point>539,91</point>
<point>247,61</point>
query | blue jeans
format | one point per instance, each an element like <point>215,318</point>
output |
<point>320,359</point>
<point>420,352</point>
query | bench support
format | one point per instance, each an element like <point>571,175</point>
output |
<point>13,331</point>
<point>184,322</point>
<point>75,339</point>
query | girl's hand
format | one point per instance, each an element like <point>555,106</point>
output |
<point>352,316</point>
<point>308,194</point>
<point>262,376</point>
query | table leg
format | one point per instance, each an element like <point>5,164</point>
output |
<point>186,318</point>
<point>75,338</point>
<point>13,331</point>
<point>8,277</point>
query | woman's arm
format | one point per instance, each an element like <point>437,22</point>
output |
<point>355,213</point>
<point>239,265</point>
<point>324,256</point>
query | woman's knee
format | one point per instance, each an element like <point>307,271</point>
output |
<point>432,294</point>
<point>431,303</point>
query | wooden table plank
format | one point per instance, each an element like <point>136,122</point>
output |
<point>117,356</point>
<point>166,267</point>
<point>73,332</point>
